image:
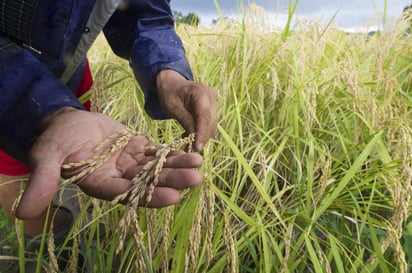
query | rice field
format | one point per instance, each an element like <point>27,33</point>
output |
<point>310,170</point>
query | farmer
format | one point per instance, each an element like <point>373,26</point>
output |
<point>43,46</point>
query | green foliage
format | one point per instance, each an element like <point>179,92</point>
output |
<point>310,170</point>
<point>190,19</point>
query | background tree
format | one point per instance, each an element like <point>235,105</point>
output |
<point>190,19</point>
<point>407,16</point>
<point>407,12</point>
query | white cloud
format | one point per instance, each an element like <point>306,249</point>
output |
<point>350,14</point>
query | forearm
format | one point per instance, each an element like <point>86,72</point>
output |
<point>158,55</point>
<point>28,93</point>
<point>145,35</point>
<point>171,80</point>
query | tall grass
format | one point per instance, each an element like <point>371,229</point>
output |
<point>310,170</point>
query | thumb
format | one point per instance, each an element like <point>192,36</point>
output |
<point>41,188</point>
<point>185,119</point>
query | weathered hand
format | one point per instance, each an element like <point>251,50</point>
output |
<point>192,104</point>
<point>71,135</point>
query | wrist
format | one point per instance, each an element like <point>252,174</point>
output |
<point>167,79</point>
<point>48,119</point>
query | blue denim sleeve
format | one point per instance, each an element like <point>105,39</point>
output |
<point>28,92</point>
<point>144,34</point>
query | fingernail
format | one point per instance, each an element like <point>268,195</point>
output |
<point>200,146</point>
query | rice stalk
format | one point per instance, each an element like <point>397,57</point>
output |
<point>74,257</point>
<point>53,266</point>
<point>298,118</point>
<point>143,184</point>
<point>232,265</point>
<point>210,213</point>
<point>168,218</point>
<point>192,257</point>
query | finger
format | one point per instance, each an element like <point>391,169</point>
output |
<point>185,118</point>
<point>165,194</point>
<point>189,160</point>
<point>134,153</point>
<point>41,188</point>
<point>176,153</point>
<point>162,197</point>
<point>151,156</point>
<point>152,153</point>
<point>175,178</point>
<point>183,162</point>
<point>136,145</point>
<point>205,118</point>
<point>105,189</point>
<point>176,159</point>
<point>170,182</point>
<point>180,179</point>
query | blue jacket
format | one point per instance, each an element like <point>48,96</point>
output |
<point>43,44</point>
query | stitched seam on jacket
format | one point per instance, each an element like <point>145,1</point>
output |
<point>101,13</point>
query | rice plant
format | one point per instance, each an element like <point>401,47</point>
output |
<point>310,170</point>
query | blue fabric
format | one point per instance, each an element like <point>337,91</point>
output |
<point>29,86</point>
<point>149,41</point>
<point>28,92</point>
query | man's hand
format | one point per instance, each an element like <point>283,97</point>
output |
<point>71,135</point>
<point>192,104</point>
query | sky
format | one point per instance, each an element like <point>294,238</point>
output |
<point>350,14</point>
